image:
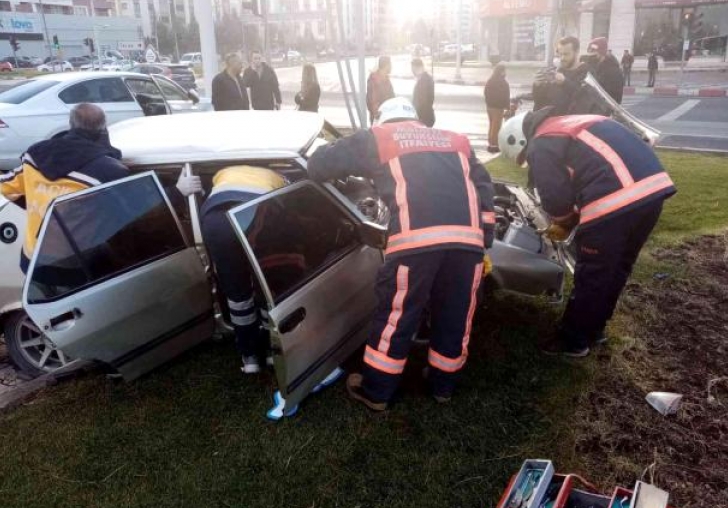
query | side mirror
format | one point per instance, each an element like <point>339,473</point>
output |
<point>372,235</point>
<point>193,95</point>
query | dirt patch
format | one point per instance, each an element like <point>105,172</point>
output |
<point>678,343</point>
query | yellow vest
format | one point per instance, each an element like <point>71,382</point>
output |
<point>248,179</point>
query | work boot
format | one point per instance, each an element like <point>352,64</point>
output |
<point>559,347</point>
<point>250,365</point>
<point>355,391</point>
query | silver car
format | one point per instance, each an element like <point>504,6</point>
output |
<point>130,285</point>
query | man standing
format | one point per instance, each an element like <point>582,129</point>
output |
<point>627,62</point>
<point>560,88</point>
<point>262,80</point>
<point>592,171</point>
<point>605,68</point>
<point>228,89</point>
<point>441,199</point>
<point>71,161</point>
<point>379,87</point>
<point>423,96</point>
<point>233,186</point>
<point>652,69</point>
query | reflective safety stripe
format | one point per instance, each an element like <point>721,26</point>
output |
<point>471,310</point>
<point>245,305</point>
<point>438,235</point>
<point>397,308</point>
<point>382,362</point>
<point>444,363</point>
<point>400,193</point>
<point>612,157</point>
<point>625,197</point>
<point>75,175</point>
<point>243,320</point>
<point>470,188</point>
<point>488,217</point>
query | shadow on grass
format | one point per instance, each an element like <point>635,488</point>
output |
<point>194,433</point>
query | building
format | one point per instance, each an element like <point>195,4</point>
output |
<point>518,30</point>
<point>451,13</point>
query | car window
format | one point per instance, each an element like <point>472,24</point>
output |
<point>148,96</point>
<point>25,91</point>
<point>96,91</point>
<point>295,235</point>
<point>171,91</point>
<point>95,236</point>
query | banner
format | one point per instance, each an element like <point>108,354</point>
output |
<point>675,3</point>
<point>501,8</point>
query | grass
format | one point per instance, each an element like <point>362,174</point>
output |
<point>194,434</point>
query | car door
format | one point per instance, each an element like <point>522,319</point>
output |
<point>113,278</point>
<point>149,96</point>
<point>316,275</point>
<point>110,94</point>
<point>178,100</point>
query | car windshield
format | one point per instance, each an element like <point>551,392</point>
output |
<point>187,56</point>
<point>27,90</point>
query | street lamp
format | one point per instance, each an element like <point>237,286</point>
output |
<point>96,42</point>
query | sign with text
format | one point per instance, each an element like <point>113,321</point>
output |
<point>674,3</point>
<point>130,46</point>
<point>18,23</point>
<point>501,8</point>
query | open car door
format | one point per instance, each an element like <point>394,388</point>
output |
<point>114,279</point>
<point>307,249</point>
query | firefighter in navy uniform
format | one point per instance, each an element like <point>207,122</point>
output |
<point>593,172</point>
<point>441,198</point>
<point>234,186</point>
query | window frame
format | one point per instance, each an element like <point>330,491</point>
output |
<point>131,99</point>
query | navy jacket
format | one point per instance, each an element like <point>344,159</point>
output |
<point>593,166</point>
<point>439,194</point>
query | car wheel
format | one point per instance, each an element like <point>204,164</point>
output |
<point>29,349</point>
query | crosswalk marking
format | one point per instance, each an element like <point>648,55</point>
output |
<point>679,111</point>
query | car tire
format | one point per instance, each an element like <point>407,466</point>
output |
<point>29,349</point>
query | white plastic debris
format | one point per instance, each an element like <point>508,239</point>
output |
<point>665,403</point>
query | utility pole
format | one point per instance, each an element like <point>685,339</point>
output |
<point>208,45</point>
<point>45,29</point>
<point>361,51</point>
<point>339,43</point>
<point>459,41</point>
<point>266,46</point>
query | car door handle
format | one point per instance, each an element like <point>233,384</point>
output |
<point>64,321</point>
<point>292,320</point>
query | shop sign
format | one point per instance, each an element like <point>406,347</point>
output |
<point>675,3</point>
<point>501,8</point>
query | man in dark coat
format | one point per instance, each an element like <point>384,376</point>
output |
<point>627,62</point>
<point>560,88</point>
<point>260,77</point>
<point>228,90</point>
<point>423,96</point>
<point>497,94</point>
<point>379,87</point>
<point>605,68</point>
<point>652,69</point>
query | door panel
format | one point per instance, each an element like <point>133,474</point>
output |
<point>113,279</point>
<point>317,277</point>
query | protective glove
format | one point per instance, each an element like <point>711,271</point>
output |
<point>487,265</point>
<point>557,233</point>
<point>188,185</point>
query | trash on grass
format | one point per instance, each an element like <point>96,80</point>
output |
<point>665,403</point>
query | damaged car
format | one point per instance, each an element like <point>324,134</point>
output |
<point>134,288</point>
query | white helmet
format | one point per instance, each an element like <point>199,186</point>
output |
<point>396,109</point>
<point>511,138</point>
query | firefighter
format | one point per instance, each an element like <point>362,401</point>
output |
<point>441,198</point>
<point>233,186</point>
<point>593,172</point>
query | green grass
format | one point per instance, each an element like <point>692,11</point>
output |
<point>194,434</point>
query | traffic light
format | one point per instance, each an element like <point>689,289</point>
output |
<point>55,42</point>
<point>14,43</point>
<point>693,22</point>
<point>88,41</point>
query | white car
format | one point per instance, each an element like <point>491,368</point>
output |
<point>191,59</point>
<point>56,66</point>
<point>38,108</point>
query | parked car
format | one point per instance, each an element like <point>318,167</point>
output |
<point>20,62</point>
<point>191,59</point>
<point>38,108</point>
<point>291,57</point>
<point>6,67</point>
<point>78,61</point>
<point>118,65</point>
<point>153,298</point>
<point>56,66</point>
<point>180,74</point>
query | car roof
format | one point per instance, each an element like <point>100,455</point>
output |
<point>215,136</point>
<point>66,77</point>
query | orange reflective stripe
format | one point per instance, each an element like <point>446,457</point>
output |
<point>471,310</point>
<point>400,193</point>
<point>444,363</point>
<point>382,362</point>
<point>488,217</point>
<point>625,197</point>
<point>437,235</point>
<point>397,307</point>
<point>470,188</point>
<point>612,157</point>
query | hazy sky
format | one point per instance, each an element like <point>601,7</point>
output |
<point>413,9</point>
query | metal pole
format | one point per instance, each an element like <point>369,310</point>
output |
<point>682,49</point>
<point>459,41</point>
<point>342,81</point>
<point>45,29</point>
<point>551,36</point>
<point>361,26</point>
<point>266,46</point>
<point>208,45</point>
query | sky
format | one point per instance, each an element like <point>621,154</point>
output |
<point>411,10</point>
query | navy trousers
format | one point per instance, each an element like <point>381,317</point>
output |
<point>235,280</point>
<point>447,280</point>
<point>606,253</point>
